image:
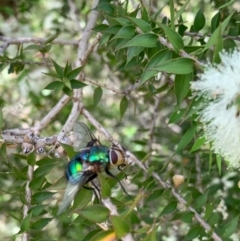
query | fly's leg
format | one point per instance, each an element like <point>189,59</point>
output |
<point>95,189</point>
<point>111,175</point>
<point>120,169</point>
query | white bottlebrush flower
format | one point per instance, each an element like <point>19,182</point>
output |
<point>220,114</point>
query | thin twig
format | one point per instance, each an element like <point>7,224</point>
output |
<point>51,114</point>
<point>23,40</point>
<point>200,35</point>
<point>74,14</point>
<point>27,62</point>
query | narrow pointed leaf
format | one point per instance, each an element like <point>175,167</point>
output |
<point>97,95</point>
<point>230,227</point>
<point>74,73</point>
<point>120,226</point>
<point>58,69</point>
<point>123,106</point>
<point>174,38</point>
<point>146,40</point>
<point>143,25</point>
<point>198,143</point>
<point>187,137</point>
<point>126,33</point>
<point>41,223</point>
<point>90,212</point>
<point>169,208</point>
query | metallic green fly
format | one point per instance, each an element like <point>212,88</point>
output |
<point>92,158</point>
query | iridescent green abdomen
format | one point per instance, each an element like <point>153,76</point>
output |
<point>74,170</point>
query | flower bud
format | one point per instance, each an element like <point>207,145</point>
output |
<point>27,148</point>
<point>177,180</point>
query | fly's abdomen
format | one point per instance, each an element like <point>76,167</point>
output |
<point>74,171</point>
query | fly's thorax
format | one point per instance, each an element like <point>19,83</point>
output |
<point>117,157</point>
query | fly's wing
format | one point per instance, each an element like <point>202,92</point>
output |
<point>72,190</point>
<point>83,137</point>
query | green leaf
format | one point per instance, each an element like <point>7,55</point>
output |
<point>201,201</point>
<point>97,95</point>
<point>90,212</point>
<point>37,210</point>
<point>214,219</point>
<point>187,137</point>
<point>67,91</point>
<point>126,33</point>
<point>25,224</point>
<point>208,211</point>
<point>105,7</point>
<point>31,159</point>
<point>215,21</point>
<point>76,84</point>
<point>176,115</point>
<point>219,163</point>
<point>146,40</point>
<point>193,233</point>
<point>151,234</point>
<point>174,38</point>
<point>187,217</point>
<point>155,195</point>
<point>54,85</point>
<point>171,207</point>
<point>44,48</point>
<point>58,69</point>
<point>176,66</point>
<point>230,227</point>
<point>43,170</point>
<point>37,182</point>
<point>41,196</point>
<point>133,52</point>
<point>227,4</point>
<point>100,28</point>
<point>143,25</point>
<point>212,40</point>
<point>54,75</point>
<point>102,235</point>
<point>82,199</point>
<point>181,10</point>
<point>182,86</point>
<point>120,225</point>
<point>19,174</point>
<point>41,223</point>
<point>51,38</point>
<point>198,143</point>
<point>199,21</point>
<point>123,106</point>
<point>32,47</point>
<point>157,59</point>
<point>3,151</point>
<point>123,21</point>
<point>74,73</point>
<point>69,150</point>
<point>105,187</point>
<point>218,46</point>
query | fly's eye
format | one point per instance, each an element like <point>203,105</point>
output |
<point>116,157</point>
